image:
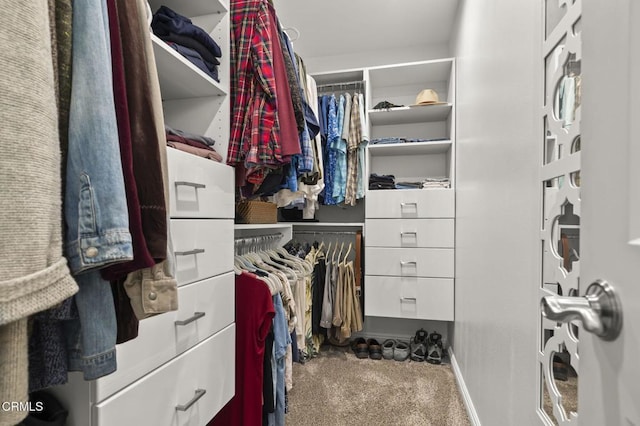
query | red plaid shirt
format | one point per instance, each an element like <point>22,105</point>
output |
<point>255,128</point>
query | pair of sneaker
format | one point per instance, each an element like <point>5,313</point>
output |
<point>426,347</point>
<point>395,349</point>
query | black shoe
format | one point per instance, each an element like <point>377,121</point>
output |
<point>46,410</point>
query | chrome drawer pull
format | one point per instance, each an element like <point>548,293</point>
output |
<point>199,394</point>
<point>196,316</point>
<point>189,252</point>
<point>403,263</point>
<point>193,184</point>
<point>408,299</point>
<point>409,204</point>
<point>415,234</point>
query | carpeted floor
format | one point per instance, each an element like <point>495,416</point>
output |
<point>336,389</point>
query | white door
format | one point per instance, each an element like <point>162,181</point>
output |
<point>591,211</point>
<point>609,385</point>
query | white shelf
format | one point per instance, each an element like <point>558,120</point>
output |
<point>179,78</point>
<point>192,8</point>
<point>407,115</point>
<point>328,224</point>
<point>335,77</point>
<point>410,148</point>
<point>250,226</point>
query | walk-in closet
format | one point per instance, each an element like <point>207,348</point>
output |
<point>279,212</point>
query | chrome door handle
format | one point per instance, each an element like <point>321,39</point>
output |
<point>199,394</point>
<point>193,184</point>
<point>189,252</point>
<point>599,310</point>
<point>415,234</point>
<point>196,316</point>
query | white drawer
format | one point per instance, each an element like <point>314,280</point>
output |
<point>161,339</point>
<point>406,297</point>
<point>153,399</point>
<point>199,187</point>
<point>410,262</point>
<point>410,203</point>
<point>410,233</point>
<point>203,248</point>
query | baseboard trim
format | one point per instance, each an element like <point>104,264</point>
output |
<point>466,397</point>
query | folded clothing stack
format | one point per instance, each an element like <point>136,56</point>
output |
<point>192,143</point>
<point>430,183</point>
<point>382,181</point>
<point>189,40</point>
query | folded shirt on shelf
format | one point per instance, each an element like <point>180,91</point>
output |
<point>166,21</point>
<point>191,136</point>
<point>209,153</point>
<point>377,181</point>
<point>195,58</point>
<point>388,182</point>
<point>189,40</point>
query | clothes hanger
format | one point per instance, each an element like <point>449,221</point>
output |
<point>348,251</point>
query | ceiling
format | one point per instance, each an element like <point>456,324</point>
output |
<point>342,27</point>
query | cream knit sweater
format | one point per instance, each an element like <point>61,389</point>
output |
<point>33,274</point>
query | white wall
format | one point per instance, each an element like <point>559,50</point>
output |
<point>497,206</point>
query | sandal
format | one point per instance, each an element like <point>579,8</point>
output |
<point>419,345</point>
<point>435,348</point>
<point>375,350</point>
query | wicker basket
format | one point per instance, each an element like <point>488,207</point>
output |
<point>255,211</point>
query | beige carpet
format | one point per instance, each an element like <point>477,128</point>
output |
<point>338,389</point>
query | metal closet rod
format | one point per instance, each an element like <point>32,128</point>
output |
<point>258,239</point>
<point>325,232</point>
<point>341,85</point>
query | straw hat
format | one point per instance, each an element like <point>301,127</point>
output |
<point>428,97</point>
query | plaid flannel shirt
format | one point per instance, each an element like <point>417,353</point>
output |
<point>254,135</point>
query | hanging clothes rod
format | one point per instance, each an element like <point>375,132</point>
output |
<point>325,232</point>
<point>257,240</point>
<point>345,85</point>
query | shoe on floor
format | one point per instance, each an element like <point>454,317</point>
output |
<point>360,348</point>
<point>418,345</point>
<point>401,351</point>
<point>434,348</point>
<point>387,348</point>
<point>375,350</point>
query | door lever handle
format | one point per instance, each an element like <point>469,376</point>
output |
<point>599,310</point>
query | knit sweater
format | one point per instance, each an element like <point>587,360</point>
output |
<point>33,274</point>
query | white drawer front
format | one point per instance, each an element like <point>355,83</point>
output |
<point>203,248</point>
<point>406,297</point>
<point>410,203</point>
<point>410,233</point>
<point>199,187</point>
<point>412,262</point>
<point>152,400</point>
<point>161,339</point>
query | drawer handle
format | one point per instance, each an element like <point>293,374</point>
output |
<point>189,252</point>
<point>415,234</point>
<point>199,394</point>
<point>196,316</point>
<point>403,263</point>
<point>403,205</point>
<point>193,184</point>
<point>408,299</point>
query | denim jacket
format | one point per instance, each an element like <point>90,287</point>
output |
<point>95,204</point>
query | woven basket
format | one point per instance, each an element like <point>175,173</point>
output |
<point>255,211</point>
